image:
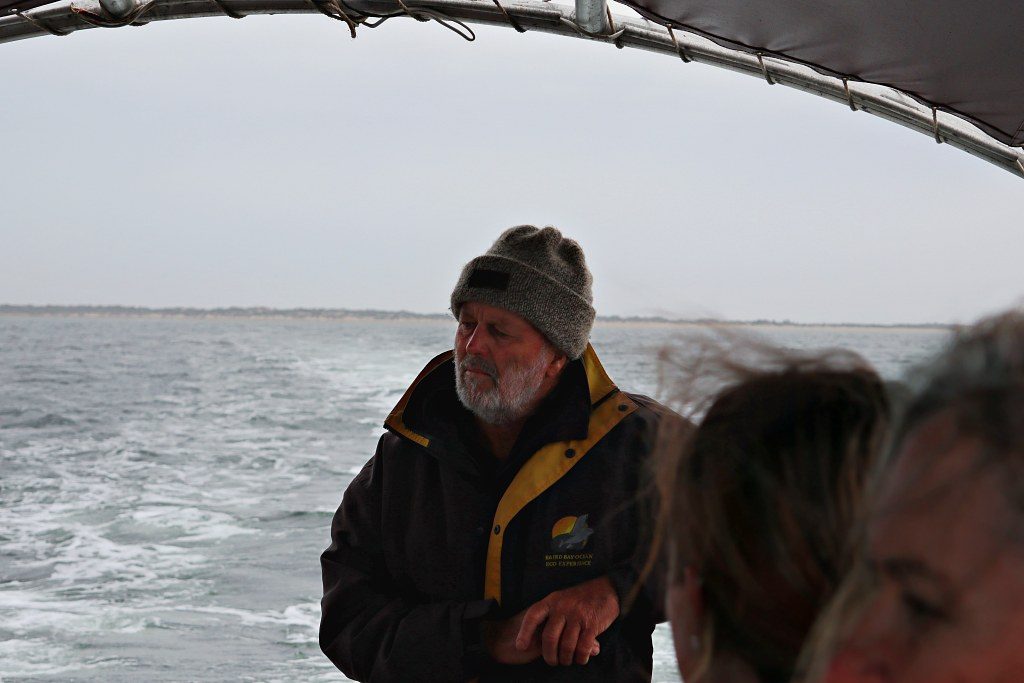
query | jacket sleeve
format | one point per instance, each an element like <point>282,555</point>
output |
<point>641,588</point>
<point>367,629</point>
<point>640,594</point>
<point>639,581</point>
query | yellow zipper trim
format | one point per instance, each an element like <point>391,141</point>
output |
<point>541,471</point>
<point>598,381</point>
<point>395,421</point>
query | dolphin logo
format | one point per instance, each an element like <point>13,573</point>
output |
<point>570,534</point>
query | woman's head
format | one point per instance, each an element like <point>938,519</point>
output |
<point>759,500</point>
<point>938,595</point>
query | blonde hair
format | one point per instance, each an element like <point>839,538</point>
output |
<point>979,380</point>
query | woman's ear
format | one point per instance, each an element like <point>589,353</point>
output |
<point>694,592</point>
<point>686,612</point>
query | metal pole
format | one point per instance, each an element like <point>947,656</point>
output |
<point>592,16</point>
<point>117,8</point>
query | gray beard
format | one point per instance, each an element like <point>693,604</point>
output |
<point>509,399</point>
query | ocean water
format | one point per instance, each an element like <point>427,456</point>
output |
<point>167,485</point>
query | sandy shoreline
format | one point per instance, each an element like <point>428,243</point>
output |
<point>405,317</point>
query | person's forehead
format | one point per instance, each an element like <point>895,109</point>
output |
<point>937,504</point>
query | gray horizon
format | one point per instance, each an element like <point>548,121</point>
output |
<point>370,314</point>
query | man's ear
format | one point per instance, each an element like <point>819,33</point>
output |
<point>556,364</point>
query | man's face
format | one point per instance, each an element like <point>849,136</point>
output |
<point>503,365</point>
<point>944,580</point>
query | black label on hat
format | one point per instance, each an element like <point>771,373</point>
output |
<point>488,279</point>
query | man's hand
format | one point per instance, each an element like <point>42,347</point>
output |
<point>499,640</point>
<point>575,618</point>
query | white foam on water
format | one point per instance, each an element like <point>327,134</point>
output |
<point>27,613</point>
<point>369,380</point>
<point>37,657</point>
<point>216,532</point>
<point>193,525</point>
<point>43,624</point>
<point>306,615</point>
<point>92,558</point>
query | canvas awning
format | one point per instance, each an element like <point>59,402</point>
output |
<point>966,58</point>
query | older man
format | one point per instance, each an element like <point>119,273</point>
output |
<point>496,533</point>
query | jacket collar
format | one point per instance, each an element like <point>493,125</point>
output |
<point>424,413</point>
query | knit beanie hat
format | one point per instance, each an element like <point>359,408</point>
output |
<point>539,275</point>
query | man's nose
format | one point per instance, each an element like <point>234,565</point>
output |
<point>476,344</point>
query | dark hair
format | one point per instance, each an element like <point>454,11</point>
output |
<point>760,497</point>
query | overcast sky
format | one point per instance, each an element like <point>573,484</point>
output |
<point>273,161</point>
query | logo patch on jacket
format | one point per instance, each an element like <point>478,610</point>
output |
<point>569,537</point>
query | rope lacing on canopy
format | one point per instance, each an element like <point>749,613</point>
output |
<point>515,24</point>
<point>335,9</point>
<point>679,48</point>
<point>612,34</point>
<point>227,10</point>
<point>340,10</point>
<point>42,26</point>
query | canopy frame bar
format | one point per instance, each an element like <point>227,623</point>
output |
<point>536,15</point>
<point>592,16</point>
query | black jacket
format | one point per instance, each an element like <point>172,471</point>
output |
<point>434,534</point>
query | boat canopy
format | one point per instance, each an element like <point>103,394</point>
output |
<point>966,58</point>
<point>947,68</point>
